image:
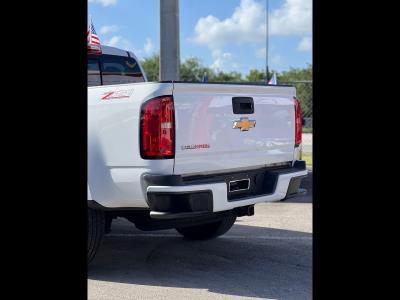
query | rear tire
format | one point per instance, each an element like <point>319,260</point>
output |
<point>96,228</point>
<point>208,231</point>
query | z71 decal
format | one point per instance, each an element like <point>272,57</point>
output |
<point>116,95</point>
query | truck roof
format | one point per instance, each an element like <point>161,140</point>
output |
<point>117,51</point>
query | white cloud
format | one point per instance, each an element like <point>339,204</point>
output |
<point>104,3</point>
<point>148,46</point>
<point>247,24</point>
<point>305,44</point>
<point>120,42</point>
<point>223,61</point>
<point>293,18</point>
<point>108,29</point>
<point>114,41</point>
<point>125,44</point>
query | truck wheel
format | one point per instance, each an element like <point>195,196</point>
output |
<point>96,227</point>
<point>208,231</point>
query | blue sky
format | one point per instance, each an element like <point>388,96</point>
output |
<point>227,35</point>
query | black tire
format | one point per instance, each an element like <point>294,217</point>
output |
<point>209,230</point>
<point>96,227</point>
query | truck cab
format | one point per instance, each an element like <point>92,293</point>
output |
<point>114,66</point>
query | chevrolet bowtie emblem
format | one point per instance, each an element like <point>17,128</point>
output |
<point>244,124</point>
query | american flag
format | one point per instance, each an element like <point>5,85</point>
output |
<point>273,80</point>
<point>92,39</point>
<point>92,36</point>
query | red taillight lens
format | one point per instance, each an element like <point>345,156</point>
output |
<point>298,122</point>
<point>158,128</point>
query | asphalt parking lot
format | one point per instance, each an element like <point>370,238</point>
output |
<point>266,256</point>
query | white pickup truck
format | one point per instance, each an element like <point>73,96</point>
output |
<point>189,156</point>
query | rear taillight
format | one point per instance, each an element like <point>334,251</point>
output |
<point>157,128</point>
<point>298,122</point>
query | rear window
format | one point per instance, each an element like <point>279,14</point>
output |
<point>94,77</point>
<point>113,69</point>
<point>119,69</point>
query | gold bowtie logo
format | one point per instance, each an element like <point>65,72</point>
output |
<point>244,124</point>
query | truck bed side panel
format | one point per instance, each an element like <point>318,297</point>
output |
<point>115,167</point>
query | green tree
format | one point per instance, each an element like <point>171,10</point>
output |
<point>255,75</point>
<point>193,70</point>
<point>190,70</point>
<point>296,74</point>
<point>226,77</point>
<point>151,66</point>
<point>303,89</point>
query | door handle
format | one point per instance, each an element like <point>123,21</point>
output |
<point>243,105</point>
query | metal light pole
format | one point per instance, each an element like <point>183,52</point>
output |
<point>169,40</point>
<point>266,43</point>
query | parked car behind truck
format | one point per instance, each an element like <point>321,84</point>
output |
<point>189,156</point>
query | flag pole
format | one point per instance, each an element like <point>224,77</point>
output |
<point>266,42</point>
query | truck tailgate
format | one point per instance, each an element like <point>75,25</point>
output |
<point>206,141</point>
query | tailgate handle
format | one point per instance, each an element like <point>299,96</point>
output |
<point>243,105</point>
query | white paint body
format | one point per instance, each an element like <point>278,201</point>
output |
<point>203,115</point>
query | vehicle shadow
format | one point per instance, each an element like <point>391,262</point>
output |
<point>249,261</point>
